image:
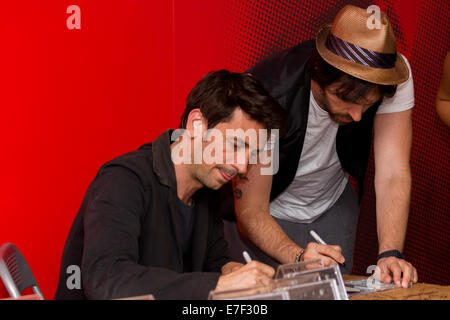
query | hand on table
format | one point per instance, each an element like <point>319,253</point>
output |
<point>392,269</point>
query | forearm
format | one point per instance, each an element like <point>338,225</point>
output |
<point>267,235</point>
<point>252,203</point>
<point>393,198</point>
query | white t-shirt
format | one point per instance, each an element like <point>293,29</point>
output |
<point>320,179</point>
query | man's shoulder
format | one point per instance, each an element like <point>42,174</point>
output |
<point>138,162</point>
<point>403,98</point>
<point>290,55</point>
<point>282,68</point>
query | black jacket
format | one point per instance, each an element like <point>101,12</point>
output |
<point>126,235</point>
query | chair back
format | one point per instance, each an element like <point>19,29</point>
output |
<point>15,271</point>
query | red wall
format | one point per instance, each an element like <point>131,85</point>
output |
<point>73,99</point>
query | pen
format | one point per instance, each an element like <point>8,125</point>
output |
<point>319,240</point>
<point>316,237</point>
<point>246,257</point>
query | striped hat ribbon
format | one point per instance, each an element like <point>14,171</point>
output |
<point>360,55</point>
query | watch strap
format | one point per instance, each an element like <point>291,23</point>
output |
<point>391,253</point>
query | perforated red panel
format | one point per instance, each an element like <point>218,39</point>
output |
<point>422,28</point>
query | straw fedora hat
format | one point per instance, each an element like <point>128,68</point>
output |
<point>369,54</point>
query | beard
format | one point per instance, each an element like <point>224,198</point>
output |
<point>212,178</point>
<point>341,119</point>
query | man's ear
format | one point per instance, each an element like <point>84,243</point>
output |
<point>196,123</point>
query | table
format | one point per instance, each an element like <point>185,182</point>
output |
<point>419,291</point>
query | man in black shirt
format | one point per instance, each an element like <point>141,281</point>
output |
<point>148,225</point>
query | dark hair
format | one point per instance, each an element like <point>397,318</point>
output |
<point>350,89</point>
<point>219,93</point>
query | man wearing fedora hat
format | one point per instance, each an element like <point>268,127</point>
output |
<point>335,91</point>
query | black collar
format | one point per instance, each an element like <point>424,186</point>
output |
<point>162,159</point>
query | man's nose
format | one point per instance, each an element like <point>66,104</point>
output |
<point>241,163</point>
<point>241,168</point>
<point>356,112</point>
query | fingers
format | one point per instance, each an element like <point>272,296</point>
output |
<point>409,273</point>
<point>326,262</point>
<point>328,254</point>
<point>314,265</point>
<point>396,273</point>
<point>402,271</point>
<point>259,273</point>
<point>265,280</point>
<point>385,274</point>
<point>334,252</point>
<point>231,266</point>
<point>251,274</point>
<point>265,269</point>
<point>254,273</point>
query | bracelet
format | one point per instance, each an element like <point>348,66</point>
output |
<point>299,256</point>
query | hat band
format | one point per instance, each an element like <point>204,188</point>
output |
<point>360,55</point>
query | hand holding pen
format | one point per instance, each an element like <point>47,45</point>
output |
<point>327,254</point>
<point>253,273</point>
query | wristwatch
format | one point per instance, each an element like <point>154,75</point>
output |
<point>391,253</point>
